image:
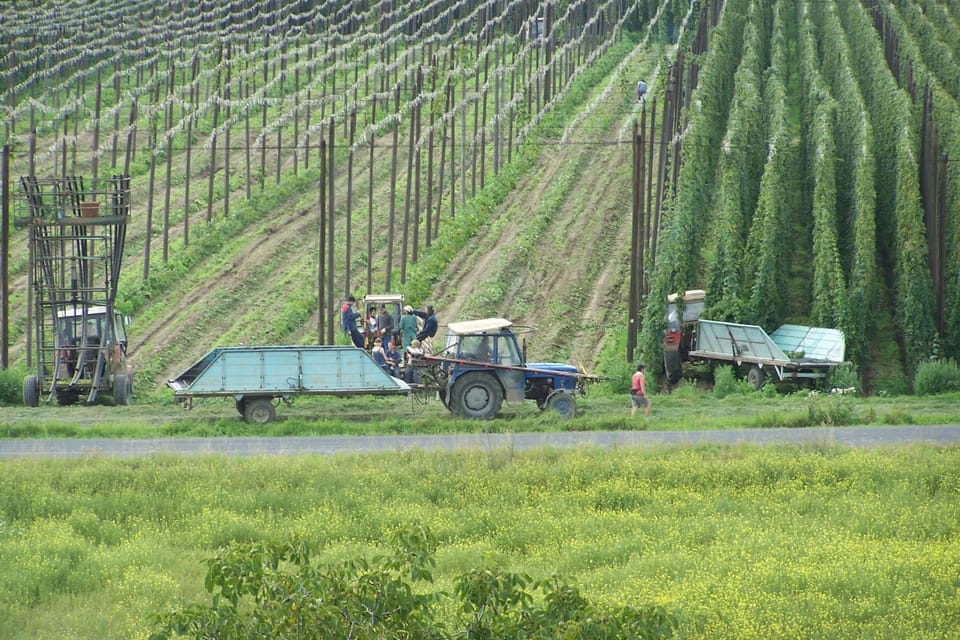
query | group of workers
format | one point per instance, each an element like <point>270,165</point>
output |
<point>380,333</point>
<point>415,331</point>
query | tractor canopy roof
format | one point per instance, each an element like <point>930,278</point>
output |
<point>693,295</point>
<point>487,325</point>
<point>76,311</point>
<point>383,298</point>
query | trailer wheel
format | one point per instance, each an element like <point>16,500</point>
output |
<point>31,391</point>
<point>242,406</point>
<point>121,390</point>
<point>477,395</point>
<point>563,403</point>
<point>756,378</point>
<point>259,411</point>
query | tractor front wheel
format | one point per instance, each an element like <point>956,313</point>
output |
<point>563,403</point>
<point>259,411</point>
<point>31,391</point>
<point>122,388</point>
<point>477,395</point>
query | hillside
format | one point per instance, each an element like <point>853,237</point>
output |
<point>492,142</point>
<point>245,275</point>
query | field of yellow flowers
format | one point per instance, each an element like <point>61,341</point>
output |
<point>737,542</point>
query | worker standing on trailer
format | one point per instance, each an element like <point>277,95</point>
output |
<point>385,323</point>
<point>408,326</point>
<point>348,322</point>
<point>638,392</point>
<point>425,336</point>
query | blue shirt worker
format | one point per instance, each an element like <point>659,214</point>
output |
<point>348,322</point>
<point>429,329</point>
<point>393,359</point>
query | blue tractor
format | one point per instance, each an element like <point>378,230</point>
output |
<point>482,365</point>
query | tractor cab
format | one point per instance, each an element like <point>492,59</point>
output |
<point>90,326</point>
<point>484,341</point>
<point>679,337</point>
<point>89,355</point>
<point>483,365</point>
<point>393,304</point>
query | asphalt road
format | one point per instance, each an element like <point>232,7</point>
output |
<point>872,436</point>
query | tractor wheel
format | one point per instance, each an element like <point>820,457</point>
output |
<point>259,411</point>
<point>673,366</point>
<point>756,378</point>
<point>31,391</point>
<point>477,395</point>
<point>121,389</point>
<point>563,403</point>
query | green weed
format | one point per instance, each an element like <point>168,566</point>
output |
<point>937,376</point>
<point>11,385</point>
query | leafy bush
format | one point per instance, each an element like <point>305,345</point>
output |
<point>275,590</point>
<point>11,385</point>
<point>937,376</point>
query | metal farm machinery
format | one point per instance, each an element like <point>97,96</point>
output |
<point>77,232</point>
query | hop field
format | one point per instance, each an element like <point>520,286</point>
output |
<point>738,542</point>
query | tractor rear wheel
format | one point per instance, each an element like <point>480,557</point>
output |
<point>477,395</point>
<point>31,391</point>
<point>563,403</point>
<point>259,411</point>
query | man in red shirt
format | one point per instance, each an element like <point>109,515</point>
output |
<point>638,392</point>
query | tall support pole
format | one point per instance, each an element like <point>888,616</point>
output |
<point>330,217</point>
<point>653,217</point>
<point>4,252</point>
<point>373,135</point>
<point>643,220</point>
<point>321,246</point>
<point>633,326</point>
<point>393,188</point>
